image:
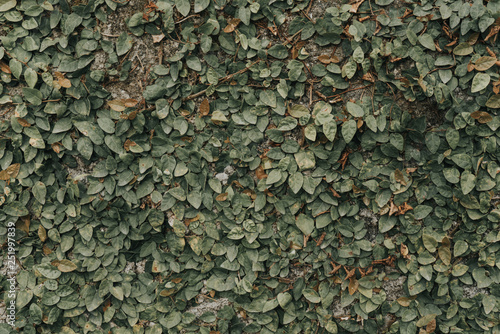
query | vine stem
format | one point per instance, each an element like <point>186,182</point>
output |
<point>226,78</point>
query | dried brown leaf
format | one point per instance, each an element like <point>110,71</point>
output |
<point>158,38</point>
<point>221,197</point>
<point>117,105</point>
<point>353,285</point>
<point>204,107</point>
<point>23,122</point>
<point>481,116</point>
<point>325,59</point>
<point>231,25</point>
<point>42,233</point>
<point>9,172</point>
<point>4,68</point>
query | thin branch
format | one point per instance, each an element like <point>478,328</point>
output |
<point>226,78</point>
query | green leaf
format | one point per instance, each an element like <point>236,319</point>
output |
<point>386,223</point>
<point>236,233</point>
<point>15,209</point>
<point>310,132</point>
<point>424,321</point>
<point>48,271</point>
<point>463,49</point>
<point>480,82</point>
<point>295,182</point>
<point>31,77</point>
<point>86,232</point>
<point>452,175</point>
<point>183,7</point>
<point>349,129</point>
<point>62,125</point>
<point>481,278</point>
<point>200,5</point>
<point>273,177</point>
<point>430,243</point>
<point>432,141</point>
<point>422,211</point>
<point>427,41</point>
<point>284,298</point>
<point>15,67</point>
<point>305,224</point>
<point>5,5</point>
<point>40,192</point>
<point>268,98</point>
<point>92,131</point>
<point>244,15</point>
<point>355,109</point>
<point>85,147</point>
<point>311,295</point>
<point>193,63</point>
<point>218,116</point>
<point>194,198</point>
<point>493,102</point>
<point>330,129</point>
<point>489,303</point>
<point>453,138</point>
<point>287,124</point>
<point>114,143</point>
<point>460,248</point>
<point>33,96</point>
<point>305,159</point>
<point>467,182</point>
<point>298,111</point>
<point>117,292</point>
<point>278,51</point>
<point>484,63</point>
<point>282,88</point>
<point>123,44</point>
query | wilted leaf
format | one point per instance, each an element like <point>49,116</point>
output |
<point>66,266</point>
<point>10,172</point>
<point>481,116</point>
<point>204,107</point>
<point>231,25</point>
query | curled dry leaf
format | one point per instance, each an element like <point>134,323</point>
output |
<point>404,208</point>
<point>355,6</point>
<point>158,38</point>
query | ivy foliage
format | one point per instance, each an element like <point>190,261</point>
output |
<point>282,173</point>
